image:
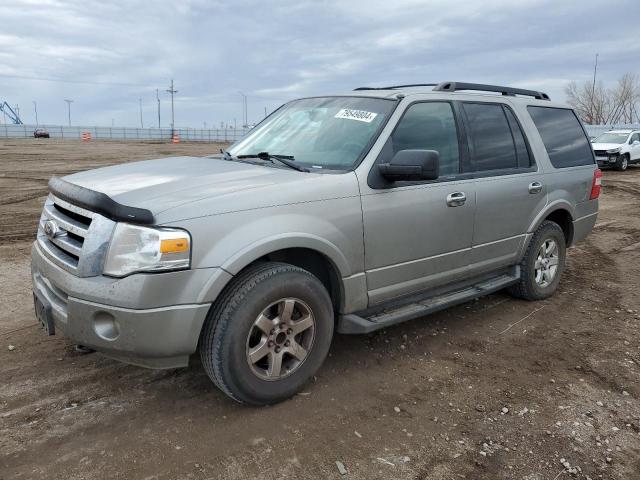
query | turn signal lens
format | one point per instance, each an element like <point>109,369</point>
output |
<point>174,245</point>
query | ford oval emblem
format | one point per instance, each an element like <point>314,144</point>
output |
<point>51,229</point>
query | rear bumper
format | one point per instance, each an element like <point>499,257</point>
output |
<point>155,336</point>
<point>583,226</point>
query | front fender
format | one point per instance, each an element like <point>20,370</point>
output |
<point>264,246</point>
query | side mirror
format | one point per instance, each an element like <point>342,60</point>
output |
<point>412,165</point>
<point>635,143</point>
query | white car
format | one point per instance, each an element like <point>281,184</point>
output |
<point>617,148</point>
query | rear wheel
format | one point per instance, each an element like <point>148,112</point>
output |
<point>543,263</point>
<point>622,163</point>
<point>267,334</point>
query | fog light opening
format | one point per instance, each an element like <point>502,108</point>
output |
<point>105,326</point>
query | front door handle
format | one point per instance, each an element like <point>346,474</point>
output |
<point>535,187</point>
<point>456,199</point>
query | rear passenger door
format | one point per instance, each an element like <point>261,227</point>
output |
<point>510,188</point>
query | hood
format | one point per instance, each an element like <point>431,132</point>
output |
<point>169,186</point>
<point>606,146</point>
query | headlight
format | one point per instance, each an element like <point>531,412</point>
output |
<point>614,150</point>
<point>143,249</point>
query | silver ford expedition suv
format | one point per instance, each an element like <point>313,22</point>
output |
<point>345,213</point>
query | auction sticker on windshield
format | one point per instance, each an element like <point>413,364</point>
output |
<point>360,115</point>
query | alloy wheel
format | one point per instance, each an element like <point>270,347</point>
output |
<point>547,261</point>
<point>280,339</point>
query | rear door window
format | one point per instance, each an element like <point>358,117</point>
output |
<point>563,136</point>
<point>522,151</point>
<point>491,142</point>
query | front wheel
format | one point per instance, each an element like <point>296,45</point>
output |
<point>267,334</point>
<point>543,263</point>
<point>622,163</point>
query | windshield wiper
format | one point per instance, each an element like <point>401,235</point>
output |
<point>226,155</point>
<point>287,160</point>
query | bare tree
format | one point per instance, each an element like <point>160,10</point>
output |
<point>599,105</point>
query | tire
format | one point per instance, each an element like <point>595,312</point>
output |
<point>622,163</point>
<point>237,325</point>
<point>534,284</point>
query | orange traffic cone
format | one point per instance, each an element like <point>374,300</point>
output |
<point>176,138</point>
<point>86,136</point>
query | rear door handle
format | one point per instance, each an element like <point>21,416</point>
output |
<point>456,199</point>
<point>535,187</point>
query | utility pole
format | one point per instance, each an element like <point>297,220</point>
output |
<point>69,102</point>
<point>593,90</point>
<point>172,91</point>
<point>140,101</point>
<point>35,108</point>
<point>265,112</point>
<point>244,110</point>
<point>158,99</point>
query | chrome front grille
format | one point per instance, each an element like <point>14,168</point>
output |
<point>72,237</point>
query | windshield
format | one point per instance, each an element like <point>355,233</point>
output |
<point>611,138</point>
<point>321,133</point>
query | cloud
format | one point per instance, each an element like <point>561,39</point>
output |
<point>275,51</point>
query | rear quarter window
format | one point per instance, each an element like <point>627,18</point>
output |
<point>563,136</point>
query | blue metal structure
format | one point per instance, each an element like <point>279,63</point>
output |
<point>6,109</point>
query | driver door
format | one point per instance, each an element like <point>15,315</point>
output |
<point>415,236</point>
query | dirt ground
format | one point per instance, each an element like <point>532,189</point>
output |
<point>494,389</point>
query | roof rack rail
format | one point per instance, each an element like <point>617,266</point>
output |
<point>457,86</point>
<point>392,87</point>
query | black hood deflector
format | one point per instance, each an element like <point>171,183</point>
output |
<point>98,202</point>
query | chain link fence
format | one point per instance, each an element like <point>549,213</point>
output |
<point>125,133</point>
<point>185,134</point>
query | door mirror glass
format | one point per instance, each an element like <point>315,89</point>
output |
<point>412,165</point>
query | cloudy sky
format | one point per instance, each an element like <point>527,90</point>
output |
<point>106,55</point>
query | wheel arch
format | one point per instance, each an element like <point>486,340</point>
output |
<point>316,255</point>
<point>560,212</point>
<point>316,263</point>
<point>564,219</point>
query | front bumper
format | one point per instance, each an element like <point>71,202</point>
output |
<point>152,320</point>
<point>608,161</point>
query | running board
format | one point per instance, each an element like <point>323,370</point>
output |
<point>355,324</point>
